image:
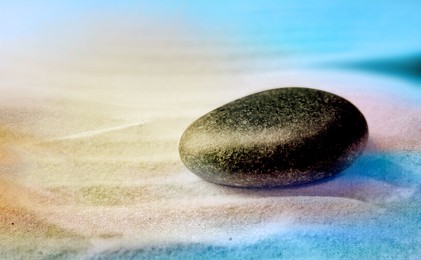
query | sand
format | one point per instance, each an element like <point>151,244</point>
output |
<point>89,163</point>
<point>107,176</point>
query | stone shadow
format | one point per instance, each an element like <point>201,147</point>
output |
<point>375,177</point>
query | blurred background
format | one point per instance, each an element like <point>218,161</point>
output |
<point>376,36</point>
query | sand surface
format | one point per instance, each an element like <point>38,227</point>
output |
<point>92,173</point>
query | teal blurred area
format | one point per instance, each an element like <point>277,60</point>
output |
<point>407,67</point>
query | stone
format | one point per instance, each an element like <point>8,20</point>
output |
<point>279,137</point>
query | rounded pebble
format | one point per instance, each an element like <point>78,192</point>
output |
<point>278,137</point>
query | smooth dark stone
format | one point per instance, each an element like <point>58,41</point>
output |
<point>278,137</point>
